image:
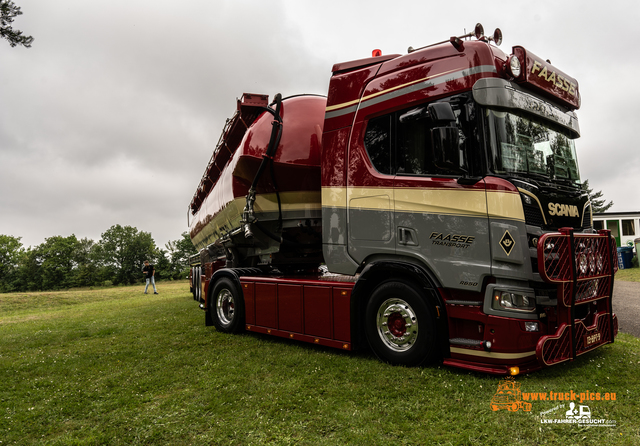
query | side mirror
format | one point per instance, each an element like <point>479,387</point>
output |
<point>446,148</point>
<point>441,112</point>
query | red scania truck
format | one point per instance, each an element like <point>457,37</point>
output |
<point>429,206</point>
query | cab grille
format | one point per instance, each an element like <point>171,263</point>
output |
<point>533,215</point>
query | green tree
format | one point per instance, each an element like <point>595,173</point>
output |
<point>164,269</point>
<point>57,260</point>
<point>86,271</point>
<point>179,252</point>
<point>28,276</point>
<point>11,251</point>
<point>122,251</point>
<point>598,204</point>
<point>8,12</point>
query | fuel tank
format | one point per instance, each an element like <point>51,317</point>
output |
<point>288,194</point>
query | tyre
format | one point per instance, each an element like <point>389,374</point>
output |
<point>226,307</point>
<point>193,283</point>
<point>399,325</point>
<point>196,280</point>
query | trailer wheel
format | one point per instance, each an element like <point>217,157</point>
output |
<point>399,325</point>
<point>226,307</point>
<point>194,280</point>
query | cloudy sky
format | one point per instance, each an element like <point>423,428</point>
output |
<point>112,115</point>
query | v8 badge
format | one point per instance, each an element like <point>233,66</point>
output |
<point>507,242</point>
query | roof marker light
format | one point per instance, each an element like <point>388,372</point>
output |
<point>376,53</point>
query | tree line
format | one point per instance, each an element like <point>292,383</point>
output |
<point>68,262</point>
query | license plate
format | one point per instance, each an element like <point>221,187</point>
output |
<point>592,338</point>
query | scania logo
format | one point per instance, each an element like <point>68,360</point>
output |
<point>563,210</point>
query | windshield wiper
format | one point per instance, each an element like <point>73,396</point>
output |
<point>532,175</point>
<point>568,182</point>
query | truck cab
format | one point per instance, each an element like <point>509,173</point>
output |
<point>459,159</point>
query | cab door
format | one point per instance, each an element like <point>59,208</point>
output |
<point>445,226</point>
<point>438,220</point>
<point>370,189</point>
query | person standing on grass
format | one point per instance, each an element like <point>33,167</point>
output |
<point>149,271</point>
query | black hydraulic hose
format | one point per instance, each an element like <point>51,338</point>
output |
<point>248,216</point>
<point>275,187</point>
<point>274,147</point>
<point>274,140</point>
<point>278,131</point>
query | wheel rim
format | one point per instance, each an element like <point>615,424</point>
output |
<point>397,324</point>
<point>225,306</point>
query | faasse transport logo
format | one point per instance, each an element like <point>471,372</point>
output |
<point>570,409</point>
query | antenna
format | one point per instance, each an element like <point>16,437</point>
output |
<point>478,32</point>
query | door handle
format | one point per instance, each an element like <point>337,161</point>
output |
<point>407,236</point>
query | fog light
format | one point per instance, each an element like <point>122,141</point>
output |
<point>514,370</point>
<point>531,326</point>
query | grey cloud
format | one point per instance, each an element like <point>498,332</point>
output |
<point>120,97</point>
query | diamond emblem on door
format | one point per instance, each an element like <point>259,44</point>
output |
<point>507,242</point>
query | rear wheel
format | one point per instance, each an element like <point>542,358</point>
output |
<point>226,307</point>
<point>399,325</point>
<point>196,279</point>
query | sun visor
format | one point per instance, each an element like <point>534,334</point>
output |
<point>499,93</point>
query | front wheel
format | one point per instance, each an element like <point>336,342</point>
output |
<point>226,307</point>
<point>399,325</point>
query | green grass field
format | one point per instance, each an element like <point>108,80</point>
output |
<point>116,367</point>
<point>628,275</point>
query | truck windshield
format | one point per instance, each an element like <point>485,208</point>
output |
<point>527,147</point>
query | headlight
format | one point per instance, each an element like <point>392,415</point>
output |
<point>592,264</point>
<point>599,262</point>
<point>504,300</point>
<point>582,264</point>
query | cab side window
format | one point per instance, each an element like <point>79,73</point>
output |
<point>402,143</point>
<point>414,151</point>
<point>377,141</point>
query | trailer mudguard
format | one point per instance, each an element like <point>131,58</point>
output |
<point>233,274</point>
